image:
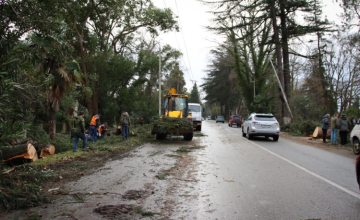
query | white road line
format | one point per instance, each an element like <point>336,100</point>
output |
<point>309,172</point>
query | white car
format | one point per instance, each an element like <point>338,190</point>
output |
<point>260,124</point>
<point>355,139</point>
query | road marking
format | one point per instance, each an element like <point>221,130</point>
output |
<point>309,172</point>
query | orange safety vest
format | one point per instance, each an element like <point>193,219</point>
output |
<point>101,129</point>
<point>93,121</point>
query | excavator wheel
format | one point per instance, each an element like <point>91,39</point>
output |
<point>188,137</point>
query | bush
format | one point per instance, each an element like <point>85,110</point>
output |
<point>302,128</point>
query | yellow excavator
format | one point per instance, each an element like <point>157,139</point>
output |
<point>175,118</point>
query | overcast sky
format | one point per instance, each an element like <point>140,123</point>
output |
<point>195,42</point>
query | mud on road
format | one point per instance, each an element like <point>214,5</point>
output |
<point>157,180</point>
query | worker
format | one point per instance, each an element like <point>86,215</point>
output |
<point>78,131</point>
<point>94,124</point>
<point>102,130</point>
<point>141,121</point>
<point>125,124</point>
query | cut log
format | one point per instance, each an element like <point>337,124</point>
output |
<point>26,151</point>
<point>42,147</point>
<point>115,132</point>
<point>318,133</point>
<point>47,151</point>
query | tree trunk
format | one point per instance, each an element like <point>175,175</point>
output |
<point>285,48</point>
<point>27,151</point>
<point>96,98</point>
<point>45,150</point>
<point>318,133</point>
<point>52,123</point>
<point>281,103</point>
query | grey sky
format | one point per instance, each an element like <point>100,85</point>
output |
<point>198,41</point>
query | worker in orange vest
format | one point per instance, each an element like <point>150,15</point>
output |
<point>94,124</point>
<point>102,130</point>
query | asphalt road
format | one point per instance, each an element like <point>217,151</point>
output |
<point>263,179</point>
<point>224,176</point>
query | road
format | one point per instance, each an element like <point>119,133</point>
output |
<point>224,176</point>
<point>263,179</point>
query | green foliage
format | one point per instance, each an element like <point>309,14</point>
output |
<point>305,128</point>
<point>168,125</point>
<point>21,188</point>
<point>194,96</point>
<point>352,112</point>
<point>220,85</point>
<point>262,104</point>
<point>162,176</point>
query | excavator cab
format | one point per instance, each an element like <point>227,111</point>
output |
<point>176,106</point>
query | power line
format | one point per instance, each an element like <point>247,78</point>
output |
<point>182,32</point>
<point>177,41</point>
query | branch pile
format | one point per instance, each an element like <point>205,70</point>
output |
<point>169,125</point>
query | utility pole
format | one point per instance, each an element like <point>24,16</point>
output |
<point>159,79</point>
<point>282,90</point>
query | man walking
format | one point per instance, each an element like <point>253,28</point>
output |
<point>344,125</point>
<point>325,126</point>
<point>94,124</point>
<point>334,130</point>
<point>125,124</point>
<point>79,131</point>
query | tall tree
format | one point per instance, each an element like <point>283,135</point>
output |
<point>195,95</point>
<point>285,27</point>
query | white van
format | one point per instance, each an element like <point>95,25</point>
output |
<point>195,110</point>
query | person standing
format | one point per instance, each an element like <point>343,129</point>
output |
<point>79,131</point>
<point>325,126</point>
<point>94,124</point>
<point>334,130</point>
<point>141,121</point>
<point>344,125</point>
<point>125,124</point>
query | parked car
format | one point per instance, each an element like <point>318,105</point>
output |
<point>235,120</point>
<point>355,139</point>
<point>209,118</point>
<point>220,119</point>
<point>260,124</point>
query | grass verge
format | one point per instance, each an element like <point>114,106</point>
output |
<point>27,185</point>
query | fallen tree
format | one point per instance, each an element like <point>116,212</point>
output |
<point>318,133</point>
<point>26,151</point>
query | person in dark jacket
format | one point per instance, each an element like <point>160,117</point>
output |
<point>79,131</point>
<point>325,126</point>
<point>344,125</point>
<point>125,124</point>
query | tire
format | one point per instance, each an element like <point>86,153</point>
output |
<point>229,125</point>
<point>248,135</point>
<point>276,138</point>
<point>356,146</point>
<point>198,128</point>
<point>160,136</point>
<point>266,137</point>
<point>188,137</point>
<point>243,134</point>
